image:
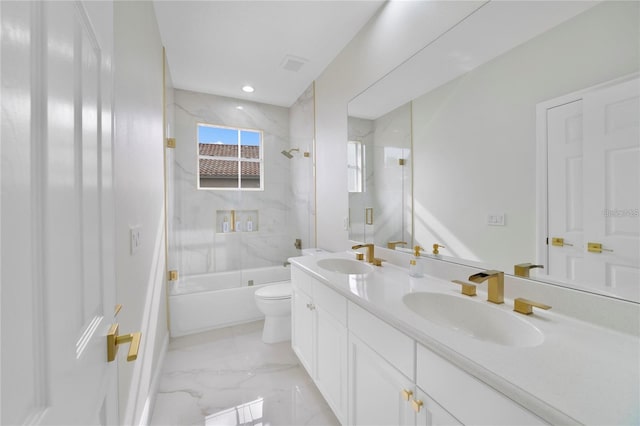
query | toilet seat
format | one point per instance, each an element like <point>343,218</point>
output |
<point>275,292</point>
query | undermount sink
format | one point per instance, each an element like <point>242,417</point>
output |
<point>475,319</point>
<point>344,266</point>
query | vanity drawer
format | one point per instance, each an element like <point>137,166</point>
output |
<point>394,346</point>
<point>330,301</point>
<point>467,398</point>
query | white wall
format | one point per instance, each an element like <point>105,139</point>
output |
<point>398,31</point>
<point>475,138</point>
<point>139,192</point>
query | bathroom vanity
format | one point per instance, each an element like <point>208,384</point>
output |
<point>387,348</point>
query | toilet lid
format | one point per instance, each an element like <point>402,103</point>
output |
<point>276,291</point>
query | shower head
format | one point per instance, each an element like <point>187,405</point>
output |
<point>288,153</point>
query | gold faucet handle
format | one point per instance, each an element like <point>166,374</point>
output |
<point>392,244</point>
<point>468,289</point>
<point>525,306</point>
<point>377,261</point>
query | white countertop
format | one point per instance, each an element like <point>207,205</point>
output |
<point>580,373</point>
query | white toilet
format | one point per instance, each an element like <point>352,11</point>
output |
<point>274,301</point>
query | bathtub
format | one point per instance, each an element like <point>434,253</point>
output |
<point>204,302</point>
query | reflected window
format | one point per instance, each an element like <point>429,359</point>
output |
<point>229,158</point>
<point>355,166</point>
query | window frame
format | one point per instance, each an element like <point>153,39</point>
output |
<point>239,160</point>
<point>359,168</point>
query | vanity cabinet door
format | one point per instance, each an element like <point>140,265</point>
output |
<point>302,331</point>
<point>376,389</point>
<point>331,361</point>
<point>429,412</point>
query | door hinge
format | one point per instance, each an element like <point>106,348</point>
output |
<point>173,275</point>
<point>171,142</point>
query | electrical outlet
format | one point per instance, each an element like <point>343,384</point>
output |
<point>135,238</point>
<point>496,219</point>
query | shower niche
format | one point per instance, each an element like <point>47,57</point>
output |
<point>230,221</point>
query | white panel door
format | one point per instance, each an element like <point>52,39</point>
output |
<point>593,171</point>
<point>564,147</point>
<point>57,213</point>
<point>612,188</point>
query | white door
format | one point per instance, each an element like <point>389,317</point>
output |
<point>58,284</point>
<point>564,130</point>
<point>612,188</point>
<point>593,146</point>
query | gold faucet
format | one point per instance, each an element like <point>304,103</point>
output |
<point>522,269</point>
<point>370,257</point>
<point>496,284</point>
<point>392,244</point>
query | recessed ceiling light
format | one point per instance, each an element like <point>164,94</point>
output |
<point>247,89</point>
<point>239,107</point>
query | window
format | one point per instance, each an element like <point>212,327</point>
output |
<point>355,166</point>
<point>229,158</point>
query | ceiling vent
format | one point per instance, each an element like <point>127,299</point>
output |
<point>293,63</point>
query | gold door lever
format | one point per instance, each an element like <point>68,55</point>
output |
<point>596,248</point>
<point>113,340</point>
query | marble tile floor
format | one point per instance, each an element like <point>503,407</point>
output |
<point>230,377</point>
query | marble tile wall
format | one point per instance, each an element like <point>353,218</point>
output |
<point>388,184</point>
<point>199,246</point>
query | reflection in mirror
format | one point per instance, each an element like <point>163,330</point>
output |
<point>483,144</point>
<point>379,170</point>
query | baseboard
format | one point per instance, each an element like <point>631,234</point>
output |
<point>155,383</point>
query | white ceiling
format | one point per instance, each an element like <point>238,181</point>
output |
<point>219,46</point>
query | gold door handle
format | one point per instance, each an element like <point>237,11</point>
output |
<point>113,340</point>
<point>406,394</point>
<point>596,248</point>
<point>417,405</point>
<point>559,242</point>
<point>525,306</point>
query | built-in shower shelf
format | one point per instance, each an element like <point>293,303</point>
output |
<point>234,221</point>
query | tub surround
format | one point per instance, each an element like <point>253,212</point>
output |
<point>585,371</point>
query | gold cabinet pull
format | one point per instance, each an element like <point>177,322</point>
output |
<point>525,306</point>
<point>468,289</point>
<point>113,340</point>
<point>117,309</point>
<point>559,242</point>
<point>417,405</point>
<point>596,248</point>
<point>406,394</point>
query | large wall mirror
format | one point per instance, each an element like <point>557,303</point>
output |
<point>522,130</point>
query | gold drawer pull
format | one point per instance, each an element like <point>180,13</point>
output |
<point>406,394</point>
<point>113,340</point>
<point>417,405</point>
